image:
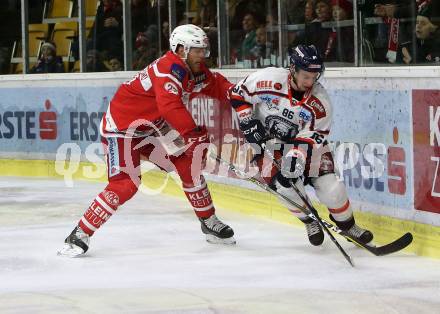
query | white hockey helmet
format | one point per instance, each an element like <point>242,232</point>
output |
<point>189,36</point>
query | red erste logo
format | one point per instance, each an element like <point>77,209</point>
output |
<point>48,123</point>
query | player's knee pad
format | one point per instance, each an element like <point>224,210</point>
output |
<point>124,189</point>
<point>330,191</point>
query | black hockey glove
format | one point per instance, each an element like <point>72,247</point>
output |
<point>255,133</point>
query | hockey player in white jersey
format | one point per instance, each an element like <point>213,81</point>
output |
<point>289,112</point>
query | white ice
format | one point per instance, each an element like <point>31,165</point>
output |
<point>152,258</point>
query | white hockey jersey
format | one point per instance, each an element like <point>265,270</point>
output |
<point>266,95</point>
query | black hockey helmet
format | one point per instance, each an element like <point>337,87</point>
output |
<point>306,58</point>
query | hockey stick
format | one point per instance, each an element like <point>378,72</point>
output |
<point>396,245</point>
<point>386,249</point>
<point>389,248</point>
<point>311,209</point>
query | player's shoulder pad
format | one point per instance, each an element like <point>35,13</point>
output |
<point>178,71</point>
<point>319,101</point>
<point>270,79</point>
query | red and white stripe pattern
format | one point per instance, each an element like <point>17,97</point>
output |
<point>296,212</point>
<point>200,199</point>
<point>101,209</point>
<point>342,213</point>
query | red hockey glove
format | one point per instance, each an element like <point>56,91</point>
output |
<point>195,137</point>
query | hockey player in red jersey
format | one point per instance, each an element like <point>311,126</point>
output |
<point>147,118</point>
<point>291,112</point>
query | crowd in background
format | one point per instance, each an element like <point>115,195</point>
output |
<point>410,33</point>
<point>392,32</point>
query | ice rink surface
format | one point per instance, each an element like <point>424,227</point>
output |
<point>152,258</point>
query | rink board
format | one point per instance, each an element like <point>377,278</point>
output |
<point>241,199</point>
<point>385,137</point>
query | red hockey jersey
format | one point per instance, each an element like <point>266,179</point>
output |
<point>158,94</point>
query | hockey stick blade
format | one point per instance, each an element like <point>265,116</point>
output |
<point>386,249</point>
<point>392,247</point>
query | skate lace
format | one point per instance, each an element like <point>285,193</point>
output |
<point>213,223</point>
<point>356,231</point>
<point>313,228</point>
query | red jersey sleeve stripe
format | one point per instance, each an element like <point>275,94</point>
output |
<point>323,132</point>
<point>304,139</point>
<point>239,103</point>
<point>243,107</point>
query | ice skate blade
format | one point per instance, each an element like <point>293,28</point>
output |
<point>70,250</point>
<point>216,240</point>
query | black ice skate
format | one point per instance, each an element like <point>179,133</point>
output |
<point>314,231</point>
<point>76,244</point>
<point>216,231</point>
<point>351,229</point>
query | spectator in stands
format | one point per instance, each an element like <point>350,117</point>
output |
<point>393,32</point>
<point>315,33</point>
<point>323,11</point>
<point>146,48</point>
<point>309,11</point>
<point>427,31</point>
<point>342,10</point>
<point>48,62</point>
<point>263,48</point>
<point>114,64</point>
<point>249,27</point>
<point>94,62</point>
<point>207,14</point>
<point>107,30</point>
<point>239,8</point>
<point>340,44</point>
<point>271,19</point>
